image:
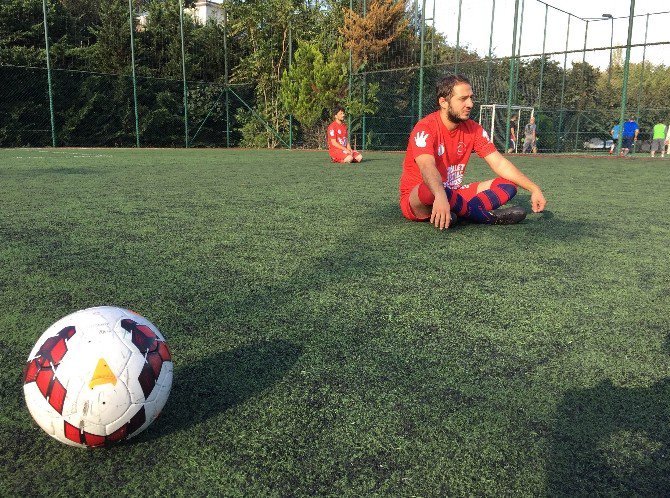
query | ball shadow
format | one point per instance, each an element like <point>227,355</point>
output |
<point>211,385</point>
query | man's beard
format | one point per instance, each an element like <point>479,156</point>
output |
<point>454,118</point>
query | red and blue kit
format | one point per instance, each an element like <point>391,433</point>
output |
<point>451,150</point>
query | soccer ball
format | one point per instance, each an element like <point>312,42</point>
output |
<point>98,376</point>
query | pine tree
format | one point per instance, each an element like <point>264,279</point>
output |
<point>371,34</point>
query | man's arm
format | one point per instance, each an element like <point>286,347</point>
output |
<point>501,166</point>
<point>440,215</point>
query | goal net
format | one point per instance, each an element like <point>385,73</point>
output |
<point>493,118</point>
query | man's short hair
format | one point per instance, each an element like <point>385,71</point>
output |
<point>445,86</point>
<point>337,109</point>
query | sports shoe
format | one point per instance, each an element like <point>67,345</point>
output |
<point>454,219</point>
<point>508,216</point>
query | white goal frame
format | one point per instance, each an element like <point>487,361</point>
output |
<point>519,111</point>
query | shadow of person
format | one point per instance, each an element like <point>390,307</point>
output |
<point>215,383</point>
<point>612,440</point>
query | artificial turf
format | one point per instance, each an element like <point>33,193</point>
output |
<point>325,346</point>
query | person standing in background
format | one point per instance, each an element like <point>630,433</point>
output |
<point>629,136</point>
<point>616,129</point>
<point>658,139</point>
<point>512,135</point>
<point>529,136</point>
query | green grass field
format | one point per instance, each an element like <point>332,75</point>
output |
<point>325,346</point>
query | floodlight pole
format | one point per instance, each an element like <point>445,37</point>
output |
<point>132,59</point>
<point>609,69</point>
<point>624,89</point>
<point>51,98</point>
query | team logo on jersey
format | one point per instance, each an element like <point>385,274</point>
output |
<point>486,135</point>
<point>455,174</point>
<point>339,132</point>
<point>440,149</point>
<point>420,139</point>
<point>460,148</point>
<point>332,133</point>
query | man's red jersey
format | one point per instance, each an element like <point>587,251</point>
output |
<point>338,132</point>
<point>451,150</point>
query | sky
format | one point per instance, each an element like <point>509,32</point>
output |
<point>476,24</point>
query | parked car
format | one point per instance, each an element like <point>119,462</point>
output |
<point>594,143</point>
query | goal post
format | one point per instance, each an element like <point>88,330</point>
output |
<point>493,118</point>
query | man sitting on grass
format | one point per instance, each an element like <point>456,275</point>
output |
<point>431,185</point>
<point>338,140</point>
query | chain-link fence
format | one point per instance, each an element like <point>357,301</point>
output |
<point>575,104</point>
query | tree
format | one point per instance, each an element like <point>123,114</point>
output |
<point>313,84</point>
<point>111,51</point>
<point>370,35</point>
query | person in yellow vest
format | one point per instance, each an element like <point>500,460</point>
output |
<point>658,140</point>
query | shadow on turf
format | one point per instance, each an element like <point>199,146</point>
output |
<point>213,384</point>
<point>612,441</point>
<point>544,225</point>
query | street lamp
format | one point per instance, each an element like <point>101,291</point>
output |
<point>609,71</point>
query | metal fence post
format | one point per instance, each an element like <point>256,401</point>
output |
<point>644,58</point>
<point>365,83</point>
<point>624,89</point>
<point>51,97</point>
<point>518,54</point>
<point>132,60</point>
<point>290,63</point>
<point>183,65</point>
<point>580,111</point>
<point>565,63</point>
<point>422,27</point>
<point>225,73</point>
<point>488,62</point>
<point>544,44</point>
<point>458,36</point>
<point>511,77</point>
<point>351,8</point>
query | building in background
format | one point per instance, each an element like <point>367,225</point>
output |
<point>202,11</point>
